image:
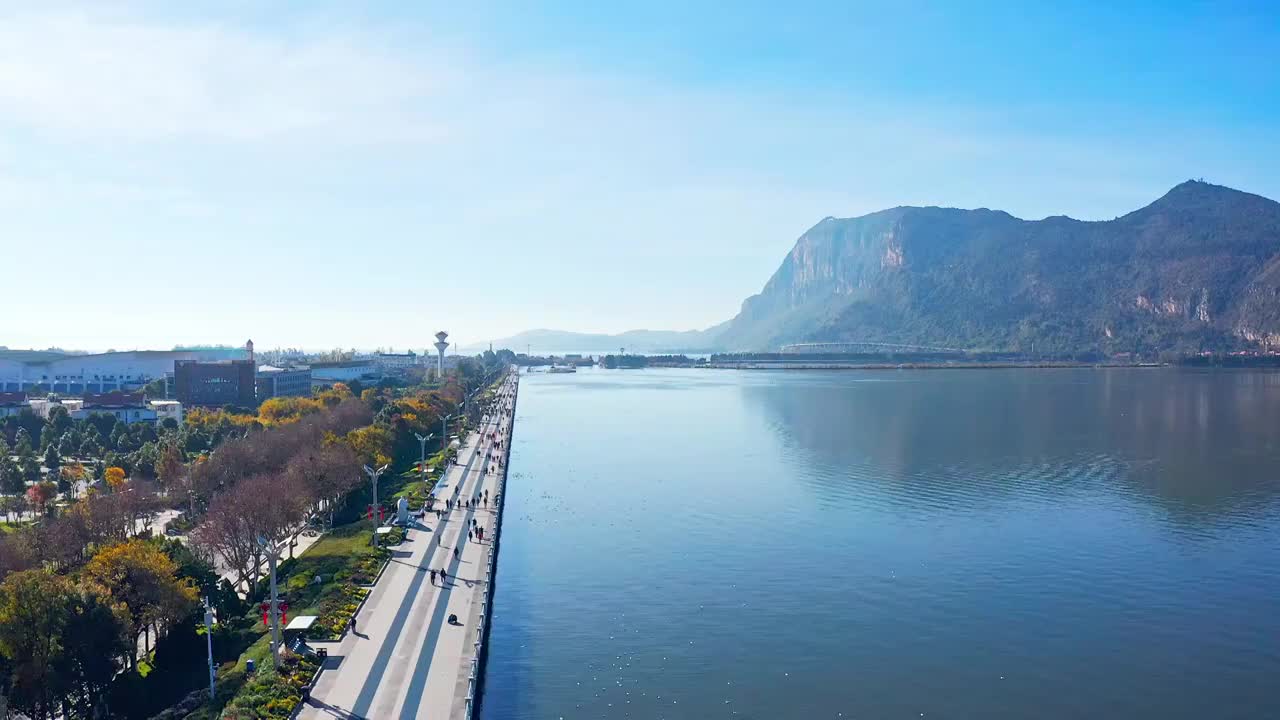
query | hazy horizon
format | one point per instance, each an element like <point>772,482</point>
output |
<point>312,176</point>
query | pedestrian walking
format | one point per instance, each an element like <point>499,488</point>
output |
<point>353,624</point>
<point>433,576</point>
<point>455,552</point>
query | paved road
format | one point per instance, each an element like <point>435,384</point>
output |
<point>405,660</point>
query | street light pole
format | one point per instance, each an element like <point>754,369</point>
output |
<point>208,634</point>
<point>422,439</point>
<point>373,477</point>
<point>273,556</point>
<point>275,610</point>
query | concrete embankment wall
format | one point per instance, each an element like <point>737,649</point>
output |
<point>491,571</point>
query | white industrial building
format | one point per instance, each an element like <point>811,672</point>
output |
<point>325,374</point>
<point>396,361</point>
<point>80,374</point>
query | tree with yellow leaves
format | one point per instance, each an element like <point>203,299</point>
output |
<point>141,577</point>
<point>372,444</point>
<point>115,477</point>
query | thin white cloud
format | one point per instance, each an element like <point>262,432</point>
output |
<point>95,77</point>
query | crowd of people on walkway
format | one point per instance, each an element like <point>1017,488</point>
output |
<point>476,532</point>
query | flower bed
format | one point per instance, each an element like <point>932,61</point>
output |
<point>366,570</point>
<point>395,537</point>
<point>273,695</point>
<point>335,610</point>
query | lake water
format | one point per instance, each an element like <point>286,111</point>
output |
<point>890,544</point>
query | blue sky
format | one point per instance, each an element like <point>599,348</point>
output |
<point>332,174</point>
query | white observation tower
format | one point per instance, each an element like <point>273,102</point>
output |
<point>441,345</point>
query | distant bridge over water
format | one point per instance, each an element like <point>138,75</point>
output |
<point>857,347</point>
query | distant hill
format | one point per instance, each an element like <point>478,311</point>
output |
<point>545,341</point>
<point>1197,269</point>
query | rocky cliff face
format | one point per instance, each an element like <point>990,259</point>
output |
<point>1198,268</point>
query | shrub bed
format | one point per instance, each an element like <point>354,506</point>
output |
<point>395,537</point>
<point>272,695</point>
<point>335,610</point>
<point>365,571</point>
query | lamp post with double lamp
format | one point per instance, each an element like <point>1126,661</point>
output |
<point>373,509</point>
<point>422,465</point>
<point>444,425</point>
<point>273,556</point>
<point>422,440</point>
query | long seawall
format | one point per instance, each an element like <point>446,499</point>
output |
<point>475,693</point>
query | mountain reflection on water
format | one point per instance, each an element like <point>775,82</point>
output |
<point>1197,444</point>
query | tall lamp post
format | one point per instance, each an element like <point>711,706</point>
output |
<point>273,556</point>
<point>444,427</point>
<point>208,634</point>
<point>373,477</point>
<point>422,440</point>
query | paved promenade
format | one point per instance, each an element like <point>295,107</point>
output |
<point>405,660</point>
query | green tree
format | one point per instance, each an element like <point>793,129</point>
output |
<point>30,467</point>
<point>90,448</point>
<point>120,439</point>
<point>196,441</point>
<point>155,389</point>
<point>102,423</point>
<point>96,647</point>
<point>22,442</point>
<point>11,480</point>
<point>62,643</point>
<point>52,460</point>
<point>93,432</point>
<point>143,433</point>
<point>32,424</point>
<point>35,609</point>
<point>11,505</point>
<point>59,420</point>
<point>144,460</point>
<point>67,446</point>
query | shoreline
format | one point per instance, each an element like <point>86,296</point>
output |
<point>916,366</point>
<point>484,617</point>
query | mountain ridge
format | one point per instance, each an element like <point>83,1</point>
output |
<point>1198,268</point>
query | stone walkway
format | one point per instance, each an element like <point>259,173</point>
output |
<point>405,659</point>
